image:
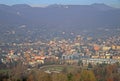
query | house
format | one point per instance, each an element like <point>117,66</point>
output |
<point>39,59</point>
<point>116,57</point>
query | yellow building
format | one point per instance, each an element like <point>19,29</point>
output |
<point>118,47</point>
<point>106,48</point>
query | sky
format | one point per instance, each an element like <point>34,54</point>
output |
<point>113,3</point>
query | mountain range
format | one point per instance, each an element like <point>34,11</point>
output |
<point>95,15</point>
<point>58,17</point>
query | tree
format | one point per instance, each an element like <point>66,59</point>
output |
<point>59,77</point>
<point>90,66</point>
<point>70,77</point>
<point>30,78</point>
<point>87,75</point>
<point>76,76</point>
<point>18,71</point>
<point>41,76</point>
<point>80,63</point>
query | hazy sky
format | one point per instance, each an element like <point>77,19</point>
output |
<point>115,3</point>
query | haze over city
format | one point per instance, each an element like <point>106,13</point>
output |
<point>59,40</point>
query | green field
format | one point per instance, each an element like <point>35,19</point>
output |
<point>64,68</point>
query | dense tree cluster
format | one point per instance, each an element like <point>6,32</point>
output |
<point>100,72</point>
<point>108,72</point>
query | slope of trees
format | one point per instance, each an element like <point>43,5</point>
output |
<point>100,72</point>
<point>108,72</point>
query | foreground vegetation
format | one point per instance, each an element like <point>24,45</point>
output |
<point>100,72</point>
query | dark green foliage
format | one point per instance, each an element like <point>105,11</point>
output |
<point>80,63</point>
<point>90,66</point>
<point>70,76</point>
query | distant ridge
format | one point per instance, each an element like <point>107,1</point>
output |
<point>61,16</point>
<point>23,23</point>
<point>21,5</point>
